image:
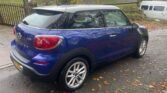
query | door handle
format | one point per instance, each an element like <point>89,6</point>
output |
<point>113,35</point>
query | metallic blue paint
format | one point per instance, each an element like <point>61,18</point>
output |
<point>103,44</point>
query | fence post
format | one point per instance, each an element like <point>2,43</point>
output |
<point>28,6</point>
<point>1,19</point>
<point>25,5</point>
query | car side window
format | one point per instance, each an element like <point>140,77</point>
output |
<point>159,8</point>
<point>87,19</point>
<point>144,7</point>
<point>60,23</point>
<point>115,18</point>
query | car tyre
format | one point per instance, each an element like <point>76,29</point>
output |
<point>74,74</point>
<point>141,49</point>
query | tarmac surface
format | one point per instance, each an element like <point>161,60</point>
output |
<point>6,35</point>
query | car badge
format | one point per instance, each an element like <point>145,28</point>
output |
<point>19,35</point>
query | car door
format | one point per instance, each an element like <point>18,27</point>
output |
<point>88,31</point>
<point>120,33</point>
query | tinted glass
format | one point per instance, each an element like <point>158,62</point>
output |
<point>61,22</point>
<point>87,19</point>
<point>41,18</point>
<point>159,8</point>
<point>144,7</point>
<point>115,18</point>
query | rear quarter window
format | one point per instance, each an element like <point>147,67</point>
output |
<point>42,18</point>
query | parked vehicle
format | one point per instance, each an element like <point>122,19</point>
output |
<point>155,9</point>
<point>64,43</point>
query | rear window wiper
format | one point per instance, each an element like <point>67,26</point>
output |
<point>25,22</point>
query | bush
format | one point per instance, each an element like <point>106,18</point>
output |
<point>132,11</point>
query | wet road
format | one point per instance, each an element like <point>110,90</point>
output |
<point>128,75</point>
<point>6,35</point>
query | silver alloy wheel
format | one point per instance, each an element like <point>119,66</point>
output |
<point>143,47</point>
<point>76,74</point>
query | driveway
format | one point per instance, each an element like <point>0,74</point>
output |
<point>6,35</point>
<point>128,75</point>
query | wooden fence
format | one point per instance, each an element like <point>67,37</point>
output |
<point>11,14</point>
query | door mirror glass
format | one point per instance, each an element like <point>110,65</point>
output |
<point>135,25</point>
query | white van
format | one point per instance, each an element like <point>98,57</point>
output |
<point>154,9</point>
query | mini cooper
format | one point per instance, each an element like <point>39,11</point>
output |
<point>64,43</point>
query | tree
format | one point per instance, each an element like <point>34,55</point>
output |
<point>64,1</point>
<point>68,1</point>
<point>138,2</point>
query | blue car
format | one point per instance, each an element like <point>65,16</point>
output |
<point>64,43</point>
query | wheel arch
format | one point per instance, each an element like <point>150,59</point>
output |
<point>79,52</point>
<point>143,32</point>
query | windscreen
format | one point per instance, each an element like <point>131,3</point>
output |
<point>42,18</point>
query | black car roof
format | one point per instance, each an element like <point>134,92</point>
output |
<point>75,8</point>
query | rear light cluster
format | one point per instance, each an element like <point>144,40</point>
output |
<point>46,42</point>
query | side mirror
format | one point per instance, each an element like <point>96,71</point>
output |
<point>135,25</point>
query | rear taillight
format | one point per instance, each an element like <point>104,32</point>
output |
<point>46,42</point>
<point>14,30</point>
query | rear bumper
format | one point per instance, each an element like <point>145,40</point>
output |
<point>28,66</point>
<point>25,68</point>
<point>47,72</point>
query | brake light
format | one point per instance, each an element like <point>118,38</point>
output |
<point>14,30</point>
<point>46,42</point>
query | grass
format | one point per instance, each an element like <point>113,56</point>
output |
<point>153,25</point>
<point>12,1</point>
<point>132,11</point>
<point>135,15</point>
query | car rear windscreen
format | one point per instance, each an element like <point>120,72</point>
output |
<point>42,18</point>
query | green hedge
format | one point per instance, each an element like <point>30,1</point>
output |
<point>132,11</point>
